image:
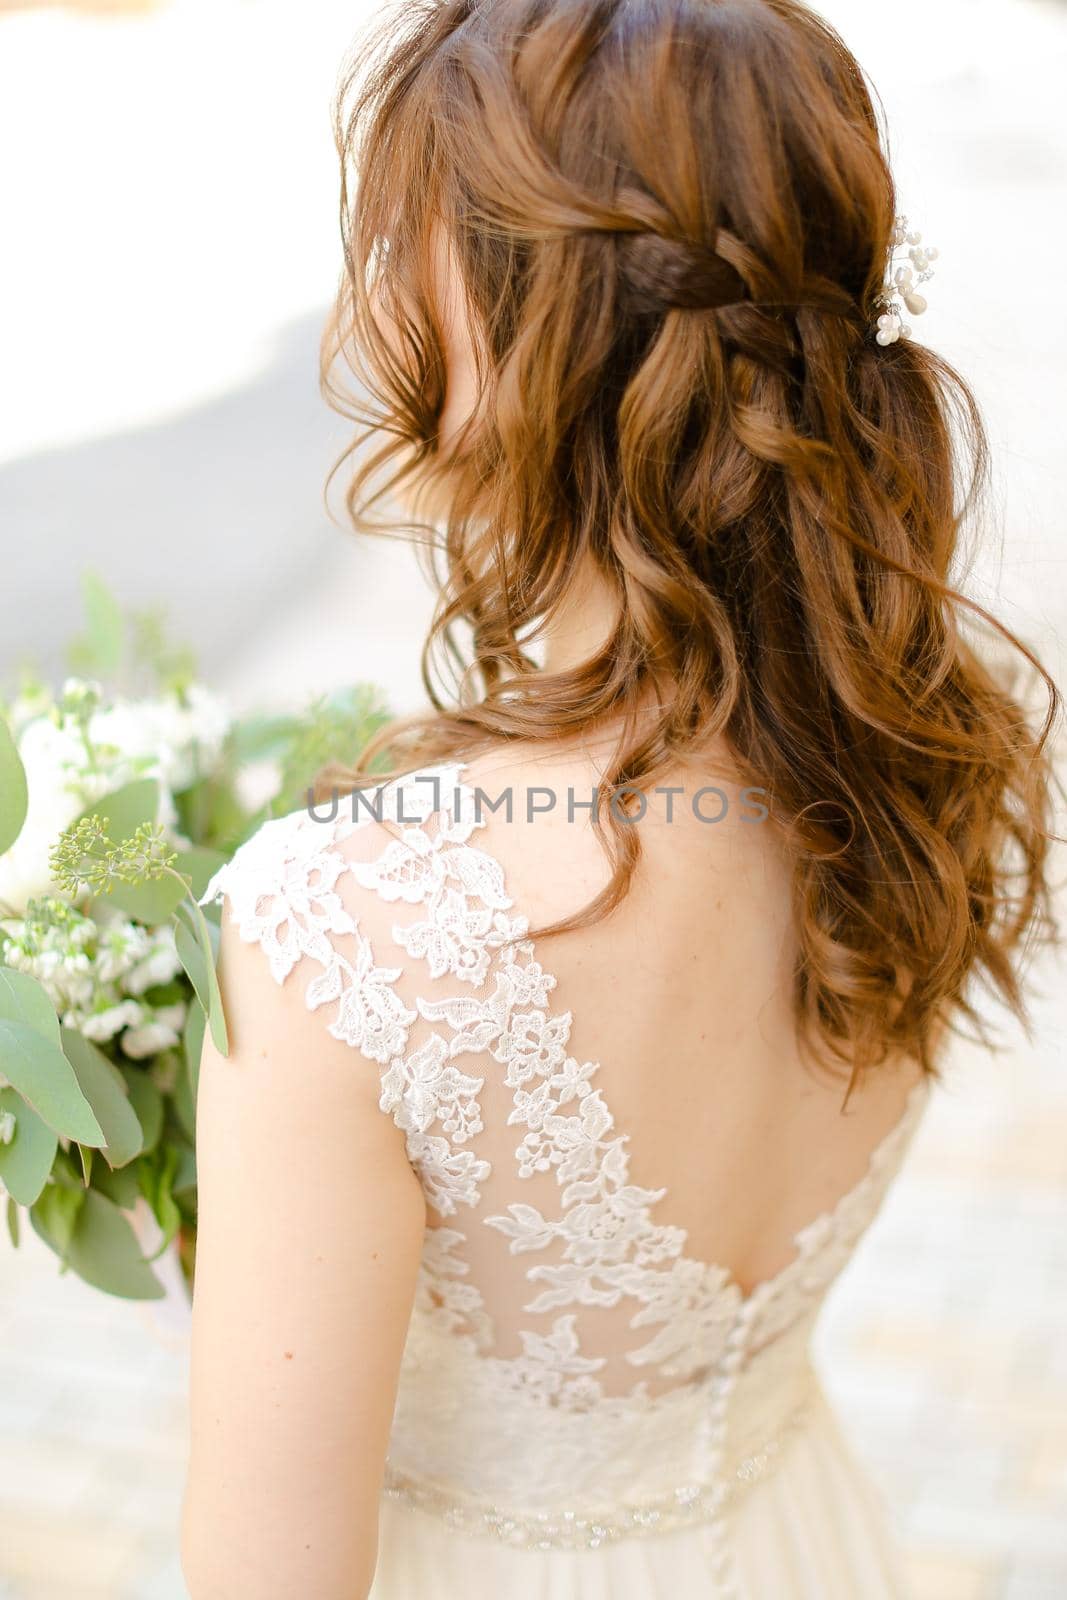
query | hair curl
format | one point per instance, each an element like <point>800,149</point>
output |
<point>672,220</point>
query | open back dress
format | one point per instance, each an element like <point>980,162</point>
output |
<point>586,1409</point>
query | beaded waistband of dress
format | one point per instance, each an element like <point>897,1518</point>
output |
<point>688,1505</point>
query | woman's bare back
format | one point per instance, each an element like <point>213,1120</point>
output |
<point>684,996</point>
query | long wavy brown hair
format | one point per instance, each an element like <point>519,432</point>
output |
<point>672,221</point>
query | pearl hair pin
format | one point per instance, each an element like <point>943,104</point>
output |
<point>903,283</point>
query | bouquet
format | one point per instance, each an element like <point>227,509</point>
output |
<point>120,796</point>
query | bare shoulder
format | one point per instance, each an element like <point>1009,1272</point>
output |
<point>702,868</point>
<point>530,811</point>
<point>535,809</point>
<point>697,828</point>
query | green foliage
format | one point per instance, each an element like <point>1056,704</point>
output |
<point>122,812</point>
<point>85,857</point>
<point>192,1047</point>
<point>172,666</point>
<point>197,953</point>
<point>128,651</point>
<point>156,1175</point>
<point>129,1093</point>
<point>118,851</point>
<point>54,1215</point>
<point>263,738</point>
<point>107,1092</point>
<point>101,650</point>
<point>32,1060</point>
<point>210,811</point>
<point>199,866</point>
<point>182,1096</point>
<point>121,1185</point>
<point>185,1176</point>
<point>147,1102</point>
<point>27,1160</point>
<point>336,729</point>
<point>14,795</point>
<point>45,1079</point>
<point>93,1237</point>
<point>22,999</point>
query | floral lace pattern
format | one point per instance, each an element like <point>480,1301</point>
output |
<point>599,1246</point>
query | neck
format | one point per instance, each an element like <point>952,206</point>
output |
<point>577,631</point>
<point>580,627</point>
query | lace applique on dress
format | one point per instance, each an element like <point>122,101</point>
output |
<point>282,887</point>
<point>537,1422</point>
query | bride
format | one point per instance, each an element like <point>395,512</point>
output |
<point>580,1053</point>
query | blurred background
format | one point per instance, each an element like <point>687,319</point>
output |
<point>168,204</point>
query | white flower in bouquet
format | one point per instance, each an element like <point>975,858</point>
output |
<point>96,972</point>
<point>52,944</point>
<point>159,1028</point>
<point>79,749</point>
<point>175,738</point>
<point>99,1026</point>
<point>156,962</point>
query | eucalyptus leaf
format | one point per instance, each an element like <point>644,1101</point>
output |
<point>121,1185</point>
<point>191,956</point>
<point>55,1214</point>
<point>26,1162</point>
<point>41,1073</point>
<point>208,933</point>
<point>171,993</point>
<point>199,865</point>
<point>64,1171</point>
<point>250,824</point>
<point>147,1103</point>
<point>259,738</point>
<point>104,1250</point>
<point>196,952</point>
<point>193,1045</point>
<point>23,1000</point>
<point>14,796</point>
<point>105,1088</point>
<point>120,814</point>
<point>126,809</point>
<point>181,1098</point>
<point>185,1176</point>
<point>105,625</point>
<point>150,903</point>
<point>13,1220</point>
<point>211,811</point>
<point>87,1162</point>
<point>157,1186</point>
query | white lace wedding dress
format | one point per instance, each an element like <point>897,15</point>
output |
<point>585,1410</point>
